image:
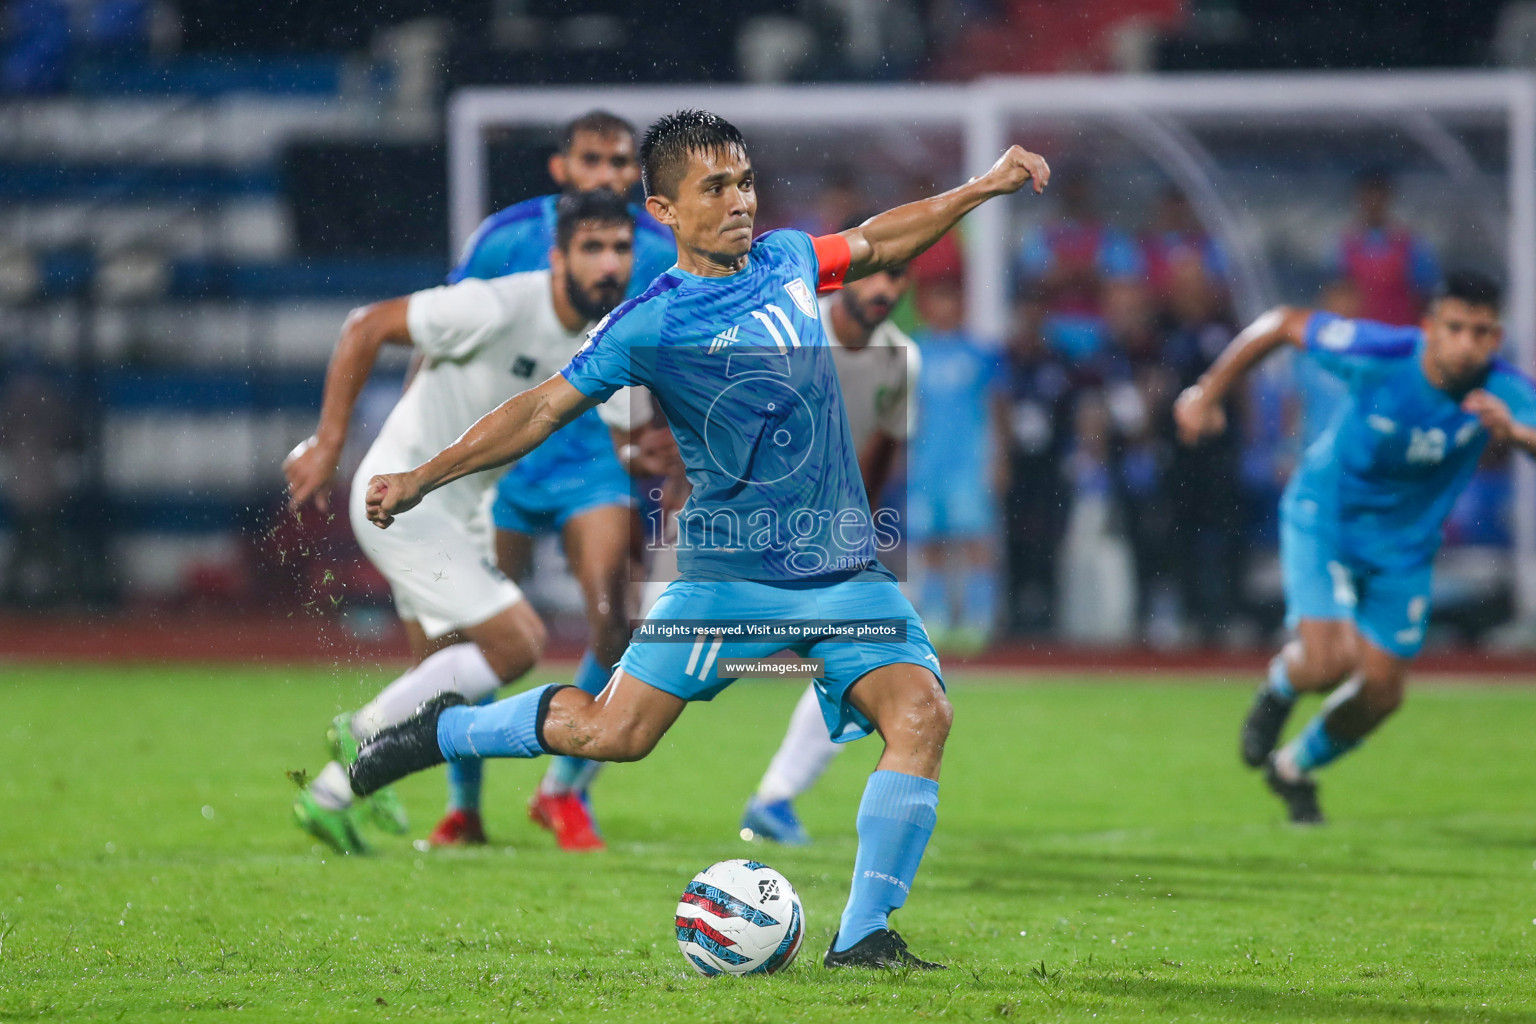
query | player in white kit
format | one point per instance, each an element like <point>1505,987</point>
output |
<point>469,627</point>
<point>877,368</point>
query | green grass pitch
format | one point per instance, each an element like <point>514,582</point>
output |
<point>1100,856</point>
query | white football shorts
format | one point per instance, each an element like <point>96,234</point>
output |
<point>438,562</point>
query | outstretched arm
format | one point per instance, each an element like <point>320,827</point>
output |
<point>897,236</point>
<point>311,465</point>
<point>1198,413</point>
<point>506,433</point>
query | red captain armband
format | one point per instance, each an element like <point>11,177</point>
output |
<point>832,257</point>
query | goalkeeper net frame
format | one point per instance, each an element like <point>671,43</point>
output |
<point>1476,130</point>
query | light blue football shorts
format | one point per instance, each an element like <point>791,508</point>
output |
<point>687,665</point>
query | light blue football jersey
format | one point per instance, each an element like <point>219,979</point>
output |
<point>1381,478</point>
<point>954,407</point>
<point>742,369</point>
<point>518,239</point>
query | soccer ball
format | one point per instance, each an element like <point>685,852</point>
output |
<point>739,917</point>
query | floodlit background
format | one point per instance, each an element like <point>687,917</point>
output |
<point>195,193</point>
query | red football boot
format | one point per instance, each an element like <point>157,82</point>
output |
<point>568,817</point>
<point>459,828</point>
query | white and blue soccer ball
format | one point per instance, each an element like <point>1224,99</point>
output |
<point>739,917</point>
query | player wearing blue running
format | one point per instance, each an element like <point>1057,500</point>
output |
<point>574,486</point>
<point>776,534</point>
<point>1361,520</point>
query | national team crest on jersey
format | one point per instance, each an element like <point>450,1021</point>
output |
<point>1337,335</point>
<point>803,298</point>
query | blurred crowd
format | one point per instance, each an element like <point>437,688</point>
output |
<point>1092,523</point>
<point>1046,495</point>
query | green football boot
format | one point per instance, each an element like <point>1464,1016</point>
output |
<point>333,828</point>
<point>383,807</point>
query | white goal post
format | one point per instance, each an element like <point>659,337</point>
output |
<point>1154,113</point>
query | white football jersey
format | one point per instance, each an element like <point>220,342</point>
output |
<point>877,380</point>
<point>484,341</point>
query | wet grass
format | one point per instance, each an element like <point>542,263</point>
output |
<point>1100,856</point>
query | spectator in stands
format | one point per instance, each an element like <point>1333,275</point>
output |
<point>952,468</point>
<point>1137,405</point>
<point>1034,402</point>
<point>840,197</point>
<point>1207,549</point>
<point>1174,237</point>
<point>1389,265</point>
<point>1096,577</point>
<point>1066,262</point>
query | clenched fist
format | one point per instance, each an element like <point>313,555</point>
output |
<point>1014,169</point>
<point>389,495</point>
<point>1197,417</point>
<point>1491,412</point>
<point>309,469</point>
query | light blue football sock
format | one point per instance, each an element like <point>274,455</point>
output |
<point>896,818</point>
<point>1279,683</point>
<point>464,776</point>
<point>507,728</point>
<point>980,599</point>
<point>1314,747</point>
<point>573,774</point>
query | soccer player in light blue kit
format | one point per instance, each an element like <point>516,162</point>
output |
<point>777,532</point>
<point>1360,522</point>
<point>574,486</point>
<point>950,500</point>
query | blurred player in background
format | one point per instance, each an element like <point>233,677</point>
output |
<point>1391,269</point>
<point>574,486</point>
<point>736,321</point>
<point>1361,520</point>
<point>597,150</point>
<point>468,624</point>
<point>1384,271</point>
<point>953,519</point>
<point>877,368</point>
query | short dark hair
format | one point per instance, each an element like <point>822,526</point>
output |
<point>598,122</point>
<point>1472,287</point>
<point>671,139</point>
<point>598,206</point>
